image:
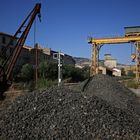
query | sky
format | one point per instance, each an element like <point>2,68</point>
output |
<point>66,24</point>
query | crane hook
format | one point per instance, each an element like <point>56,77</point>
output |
<point>39,16</point>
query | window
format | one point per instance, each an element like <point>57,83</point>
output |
<point>3,40</point>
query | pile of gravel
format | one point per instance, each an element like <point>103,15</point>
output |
<point>61,113</point>
<point>109,89</point>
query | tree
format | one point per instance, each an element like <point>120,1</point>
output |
<point>131,73</point>
<point>48,70</point>
<point>76,74</point>
<point>86,72</point>
<point>42,70</point>
<point>27,72</point>
<point>67,70</point>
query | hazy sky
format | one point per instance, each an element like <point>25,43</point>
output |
<point>66,24</point>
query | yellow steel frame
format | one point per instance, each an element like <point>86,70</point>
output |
<point>98,42</point>
<point>138,61</point>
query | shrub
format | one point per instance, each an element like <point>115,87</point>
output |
<point>27,72</point>
<point>48,70</point>
<point>44,83</point>
<point>132,84</point>
<point>76,74</point>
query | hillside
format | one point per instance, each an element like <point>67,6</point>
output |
<point>81,62</point>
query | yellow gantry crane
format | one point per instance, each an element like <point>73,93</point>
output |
<point>97,43</point>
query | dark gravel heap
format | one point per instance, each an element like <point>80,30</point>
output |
<point>60,113</point>
<point>110,90</point>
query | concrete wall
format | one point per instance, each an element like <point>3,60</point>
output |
<point>102,70</point>
<point>117,73</point>
<point>110,63</point>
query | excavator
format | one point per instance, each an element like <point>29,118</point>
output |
<point>8,62</point>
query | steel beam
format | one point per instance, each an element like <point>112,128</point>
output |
<point>138,62</point>
<point>95,60</point>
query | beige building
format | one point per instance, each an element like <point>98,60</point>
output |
<point>30,55</point>
<point>110,66</point>
<point>109,61</point>
<point>109,71</point>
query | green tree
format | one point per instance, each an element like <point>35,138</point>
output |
<point>131,73</point>
<point>42,70</point>
<point>48,70</point>
<point>27,72</point>
<point>76,74</point>
<point>86,72</point>
<point>17,74</point>
<point>67,71</point>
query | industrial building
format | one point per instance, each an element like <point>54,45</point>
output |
<point>28,54</point>
<point>109,66</point>
<point>4,40</point>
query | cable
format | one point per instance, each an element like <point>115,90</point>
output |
<point>34,31</point>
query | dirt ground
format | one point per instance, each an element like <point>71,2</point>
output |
<point>9,97</point>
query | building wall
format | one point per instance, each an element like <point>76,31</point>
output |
<point>24,57</point>
<point>130,68</point>
<point>108,56</point>
<point>4,41</point>
<point>28,54</point>
<point>102,70</point>
<point>117,73</point>
<point>110,63</point>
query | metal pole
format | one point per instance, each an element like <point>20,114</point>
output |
<point>137,62</point>
<point>36,62</point>
<point>92,62</point>
<point>60,64</point>
<point>59,69</point>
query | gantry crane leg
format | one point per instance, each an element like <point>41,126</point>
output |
<point>95,59</point>
<point>138,62</point>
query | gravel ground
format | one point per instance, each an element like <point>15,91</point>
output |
<point>61,113</point>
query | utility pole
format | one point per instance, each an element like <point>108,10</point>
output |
<point>59,69</point>
<point>138,62</point>
<point>36,62</point>
<point>60,59</point>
